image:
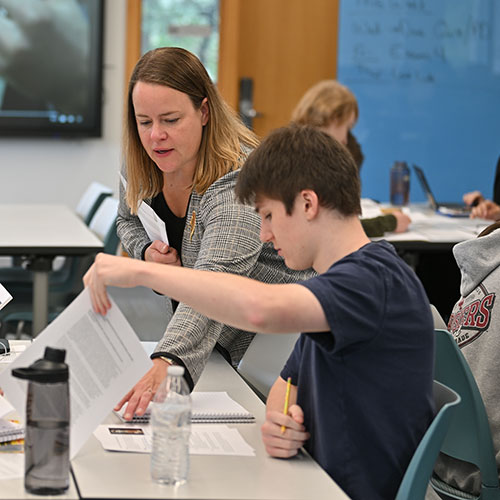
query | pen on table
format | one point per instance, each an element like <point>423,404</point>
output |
<point>287,400</point>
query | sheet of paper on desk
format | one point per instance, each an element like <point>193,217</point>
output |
<point>5,296</point>
<point>11,465</point>
<point>152,223</point>
<point>370,208</point>
<point>5,407</point>
<point>205,439</point>
<point>105,360</point>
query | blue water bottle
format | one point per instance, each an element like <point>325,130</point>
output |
<point>400,184</point>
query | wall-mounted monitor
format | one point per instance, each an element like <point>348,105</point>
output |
<point>51,68</point>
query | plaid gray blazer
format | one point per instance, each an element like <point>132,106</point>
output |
<point>220,235</point>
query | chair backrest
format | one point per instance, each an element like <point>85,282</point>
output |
<point>439,323</point>
<point>104,224</point>
<point>417,475</point>
<point>469,437</point>
<point>263,360</point>
<point>91,199</point>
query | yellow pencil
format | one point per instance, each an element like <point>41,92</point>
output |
<point>287,400</point>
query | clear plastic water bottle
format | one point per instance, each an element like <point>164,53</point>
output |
<point>46,443</point>
<point>171,423</point>
<point>400,184</point>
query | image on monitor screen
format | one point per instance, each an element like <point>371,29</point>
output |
<point>51,68</point>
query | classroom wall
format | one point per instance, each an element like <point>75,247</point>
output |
<point>58,170</point>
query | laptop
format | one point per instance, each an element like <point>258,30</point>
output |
<point>450,209</point>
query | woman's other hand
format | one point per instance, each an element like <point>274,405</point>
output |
<point>161,253</point>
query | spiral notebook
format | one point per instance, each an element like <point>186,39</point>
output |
<point>208,407</point>
<point>10,430</point>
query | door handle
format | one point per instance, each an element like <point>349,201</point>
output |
<point>246,109</point>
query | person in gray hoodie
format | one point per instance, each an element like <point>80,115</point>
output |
<point>475,325</point>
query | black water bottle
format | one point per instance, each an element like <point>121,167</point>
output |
<point>46,444</point>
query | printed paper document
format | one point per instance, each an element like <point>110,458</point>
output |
<point>105,360</point>
<point>205,439</point>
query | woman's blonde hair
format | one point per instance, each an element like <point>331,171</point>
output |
<point>223,137</point>
<point>325,102</point>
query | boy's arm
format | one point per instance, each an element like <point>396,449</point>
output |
<point>234,300</point>
<point>288,443</point>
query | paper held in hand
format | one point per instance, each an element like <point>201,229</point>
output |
<point>105,360</point>
<point>153,224</point>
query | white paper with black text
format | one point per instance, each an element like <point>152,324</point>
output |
<point>205,439</point>
<point>105,360</point>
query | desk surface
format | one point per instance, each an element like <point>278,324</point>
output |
<point>44,230</point>
<point>13,489</point>
<point>430,231</point>
<point>101,474</point>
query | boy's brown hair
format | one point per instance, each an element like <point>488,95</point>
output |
<point>294,158</point>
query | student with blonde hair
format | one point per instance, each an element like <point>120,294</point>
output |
<point>331,107</point>
<point>184,147</point>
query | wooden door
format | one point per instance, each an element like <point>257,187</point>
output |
<point>284,46</point>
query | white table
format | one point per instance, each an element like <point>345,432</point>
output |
<point>101,474</point>
<point>428,230</point>
<point>41,232</point>
<point>13,489</point>
<point>432,231</point>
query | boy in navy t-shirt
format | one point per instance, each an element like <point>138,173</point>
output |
<point>361,394</point>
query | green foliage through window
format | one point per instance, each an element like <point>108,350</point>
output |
<point>190,24</point>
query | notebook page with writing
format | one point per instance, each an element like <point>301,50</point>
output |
<point>207,407</point>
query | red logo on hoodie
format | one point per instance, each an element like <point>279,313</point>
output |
<point>469,322</point>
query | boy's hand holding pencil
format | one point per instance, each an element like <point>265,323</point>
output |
<point>283,432</point>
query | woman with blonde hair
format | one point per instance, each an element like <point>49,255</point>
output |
<point>332,107</point>
<point>183,150</point>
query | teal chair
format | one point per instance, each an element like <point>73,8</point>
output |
<point>469,437</point>
<point>417,475</point>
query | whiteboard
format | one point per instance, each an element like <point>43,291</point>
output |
<point>426,74</point>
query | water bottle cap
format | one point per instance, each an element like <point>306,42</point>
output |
<point>49,369</point>
<point>56,355</point>
<point>176,370</point>
<point>400,164</point>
